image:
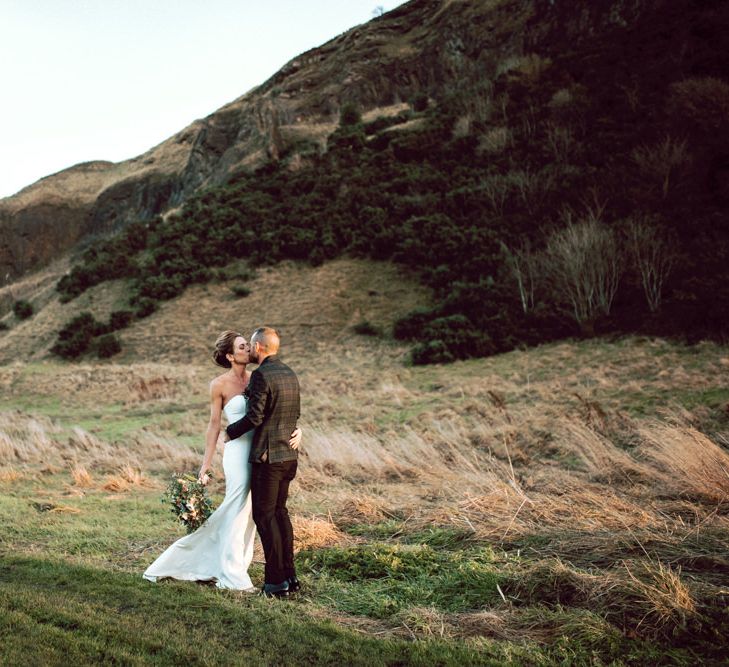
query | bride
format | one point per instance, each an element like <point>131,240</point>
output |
<point>222,548</point>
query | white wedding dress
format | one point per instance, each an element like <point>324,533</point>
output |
<point>222,548</point>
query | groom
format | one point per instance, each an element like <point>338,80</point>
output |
<point>273,410</point>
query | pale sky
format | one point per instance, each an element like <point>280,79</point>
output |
<point>89,80</point>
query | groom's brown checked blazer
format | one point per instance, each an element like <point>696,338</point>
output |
<point>274,407</point>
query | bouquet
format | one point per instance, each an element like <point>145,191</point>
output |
<point>189,500</point>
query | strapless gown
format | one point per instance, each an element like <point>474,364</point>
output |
<point>221,550</point>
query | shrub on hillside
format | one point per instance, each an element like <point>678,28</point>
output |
<point>161,287</point>
<point>347,137</point>
<point>412,325</point>
<point>145,307</point>
<point>120,319</point>
<point>349,115</point>
<point>22,309</point>
<point>107,346</point>
<point>75,337</point>
<point>431,352</point>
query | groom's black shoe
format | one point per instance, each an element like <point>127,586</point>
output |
<point>294,584</point>
<point>276,590</point>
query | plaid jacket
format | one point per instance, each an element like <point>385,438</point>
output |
<point>273,409</point>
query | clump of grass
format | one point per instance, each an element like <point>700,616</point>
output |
<point>315,533</point>
<point>425,622</point>
<point>441,538</point>
<point>362,509</point>
<point>658,598</point>
<point>127,478</point>
<point>647,598</point>
<point>10,475</point>
<point>81,476</point>
<point>382,530</point>
<point>692,463</point>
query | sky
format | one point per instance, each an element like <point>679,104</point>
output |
<point>89,80</point>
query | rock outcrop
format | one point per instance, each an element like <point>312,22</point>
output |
<point>437,46</point>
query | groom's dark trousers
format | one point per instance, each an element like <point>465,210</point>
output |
<point>273,410</point>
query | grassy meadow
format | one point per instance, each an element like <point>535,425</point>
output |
<point>561,505</point>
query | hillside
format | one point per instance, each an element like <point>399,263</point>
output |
<point>314,307</point>
<point>376,64</point>
<point>556,172</point>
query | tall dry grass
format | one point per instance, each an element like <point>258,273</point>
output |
<point>690,462</point>
<point>28,441</point>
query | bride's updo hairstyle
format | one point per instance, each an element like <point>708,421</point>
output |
<point>223,346</point>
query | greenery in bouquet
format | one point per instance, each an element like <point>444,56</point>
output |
<point>189,501</point>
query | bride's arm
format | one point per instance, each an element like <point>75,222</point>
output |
<point>211,435</point>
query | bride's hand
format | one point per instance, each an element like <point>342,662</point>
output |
<point>295,439</point>
<point>203,478</point>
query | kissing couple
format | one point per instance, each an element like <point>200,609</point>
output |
<point>259,461</point>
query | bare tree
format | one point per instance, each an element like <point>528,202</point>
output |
<point>653,254</point>
<point>585,263</point>
<point>523,263</point>
<point>378,11</point>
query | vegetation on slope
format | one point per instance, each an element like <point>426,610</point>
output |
<point>578,191</point>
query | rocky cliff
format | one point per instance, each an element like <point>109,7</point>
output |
<point>441,47</point>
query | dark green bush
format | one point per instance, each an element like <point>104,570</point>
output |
<point>76,336</point>
<point>349,115</point>
<point>431,352</point>
<point>23,309</point>
<point>120,319</point>
<point>107,346</point>
<point>161,287</point>
<point>412,325</point>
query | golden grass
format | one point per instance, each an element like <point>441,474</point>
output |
<point>659,596</point>
<point>125,479</point>
<point>81,476</point>
<point>10,475</point>
<point>362,509</point>
<point>316,533</point>
<point>691,462</point>
<point>39,441</point>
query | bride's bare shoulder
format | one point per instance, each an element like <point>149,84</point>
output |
<point>217,383</point>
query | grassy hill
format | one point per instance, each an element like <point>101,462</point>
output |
<point>314,307</point>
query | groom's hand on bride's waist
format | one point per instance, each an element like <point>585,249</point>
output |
<point>224,435</point>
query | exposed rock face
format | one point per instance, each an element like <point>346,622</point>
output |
<point>438,46</point>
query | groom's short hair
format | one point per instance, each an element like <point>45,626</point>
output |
<point>267,338</point>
